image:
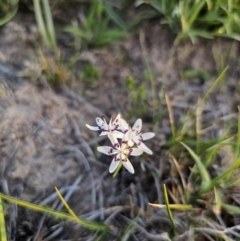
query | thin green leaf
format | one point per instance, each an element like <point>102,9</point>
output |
<point>88,224</point>
<point>202,170</point>
<point>40,21</point>
<point>49,23</point>
<point>9,15</point>
<point>85,223</point>
<point>115,17</point>
<point>195,10</point>
<point>213,85</point>
<point>168,208</point>
<point>3,233</point>
<point>230,208</point>
<point>219,179</point>
<point>128,231</point>
<point>66,205</point>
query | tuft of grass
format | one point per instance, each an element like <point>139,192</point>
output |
<point>201,168</point>
<point>97,26</point>
<point>90,74</point>
<point>198,18</point>
<point>201,184</point>
<point>54,69</point>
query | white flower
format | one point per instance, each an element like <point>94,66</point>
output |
<point>121,152</point>
<point>113,127</point>
<point>137,137</point>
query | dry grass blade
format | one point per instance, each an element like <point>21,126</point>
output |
<point>173,206</point>
<point>198,124</point>
<point>180,172</point>
<point>238,138</point>
<point>170,113</point>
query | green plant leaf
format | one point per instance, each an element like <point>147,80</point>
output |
<point>231,208</point>
<point>115,17</point>
<point>168,208</point>
<point>39,208</point>
<point>202,170</point>
<point>220,178</point>
<point>10,14</point>
<point>85,223</point>
<point>3,233</point>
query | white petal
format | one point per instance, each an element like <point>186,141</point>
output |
<point>126,138</point>
<point>113,140</point>
<point>128,165</point>
<point>133,151</point>
<point>110,122</point>
<point>116,122</point>
<point>103,133</point>
<point>114,164</point>
<point>137,127</point>
<point>148,135</point>
<point>101,122</point>
<point>145,148</point>
<point>130,143</point>
<point>124,126</point>
<point>93,128</point>
<point>117,134</point>
<point>107,150</point>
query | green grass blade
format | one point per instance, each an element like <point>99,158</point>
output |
<point>233,209</point>
<point>115,17</point>
<point>49,23</point>
<point>57,214</point>
<point>168,208</point>
<point>40,22</point>
<point>66,205</point>
<point>219,179</point>
<point>85,223</point>
<point>9,15</point>
<point>202,170</point>
<point>195,12</point>
<point>3,233</point>
<point>213,85</point>
<point>36,207</point>
<point>129,229</point>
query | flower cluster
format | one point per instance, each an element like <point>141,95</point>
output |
<point>131,143</point>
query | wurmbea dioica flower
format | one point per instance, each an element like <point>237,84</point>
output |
<point>121,152</point>
<point>131,143</point>
<point>137,137</point>
<point>117,127</point>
